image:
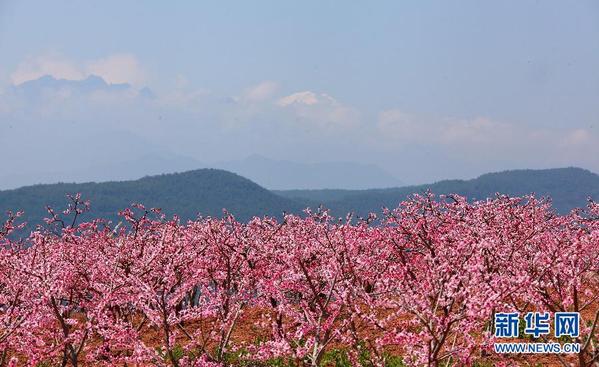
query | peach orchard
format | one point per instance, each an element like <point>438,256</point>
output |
<point>419,283</point>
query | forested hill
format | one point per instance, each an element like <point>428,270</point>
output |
<point>567,187</point>
<point>208,191</point>
<point>204,191</point>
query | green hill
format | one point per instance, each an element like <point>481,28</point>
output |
<point>204,191</point>
<point>567,187</point>
<point>209,191</point>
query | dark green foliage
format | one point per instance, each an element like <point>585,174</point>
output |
<point>567,187</point>
<point>209,191</point>
<point>205,191</point>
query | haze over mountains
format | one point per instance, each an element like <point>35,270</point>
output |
<point>209,191</point>
<point>271,174</point>
<point>69,148</point>
<point>112,154</point>
<point>73,147</point>
<point>81,130</point>
<point>286,175</point>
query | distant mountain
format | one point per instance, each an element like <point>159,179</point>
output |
<point>149,164</point>
<point>37,87</point>
<point>209,191</point>
<point>284,175</point>
<point>130,157</point>
<point>567,187</point>
<point>57,131</point>
<point>204,191</point>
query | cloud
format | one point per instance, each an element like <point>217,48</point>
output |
<point>398,125</point>
<point>118,68</point>
<point>307,98</point>
<point>486,143</point>
<point>199,121</point>
<point>302,98</point>
<point>320,109</point>
<point>477,130</point>
<point>54,65</point>
<point>115,69</point>
<point>260,92</point>
<point>577,137</point>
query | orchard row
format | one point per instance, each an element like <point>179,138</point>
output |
<point>422,282</point>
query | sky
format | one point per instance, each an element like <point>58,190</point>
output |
<point>425,90</point>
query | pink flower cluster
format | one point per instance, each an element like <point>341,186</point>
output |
<point>422,282</point>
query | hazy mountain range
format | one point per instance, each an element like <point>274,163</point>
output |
<point>41,121</point>
<point>271,174</point>
<point>68,148</point>
<point>209,191</point>
<point>286,175</point>
<point>568,188</point>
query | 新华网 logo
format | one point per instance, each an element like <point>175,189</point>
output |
<point>538,325</point>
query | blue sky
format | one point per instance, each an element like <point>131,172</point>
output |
<point>427,90</point>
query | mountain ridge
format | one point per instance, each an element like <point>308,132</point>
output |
<point>208,191</point>
<point>554,183</point>
<point>284,174</point>
<point>187,194</point>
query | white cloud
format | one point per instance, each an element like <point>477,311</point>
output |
<point>54,65</point>
<point>320,109</point>
<point>577,137</point>
<point>398,125</point>
<point>484,141</point>
<point>118,68</point>
<point>476,130</point>
<point>307,98</point>
<point>260,92</point>
<point>188,117</point>
<point>303,98</point>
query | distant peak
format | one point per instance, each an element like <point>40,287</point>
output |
<point>44,78</point>
<point>524,171</point>
<point>91,82</point>
<point>95,79</point>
